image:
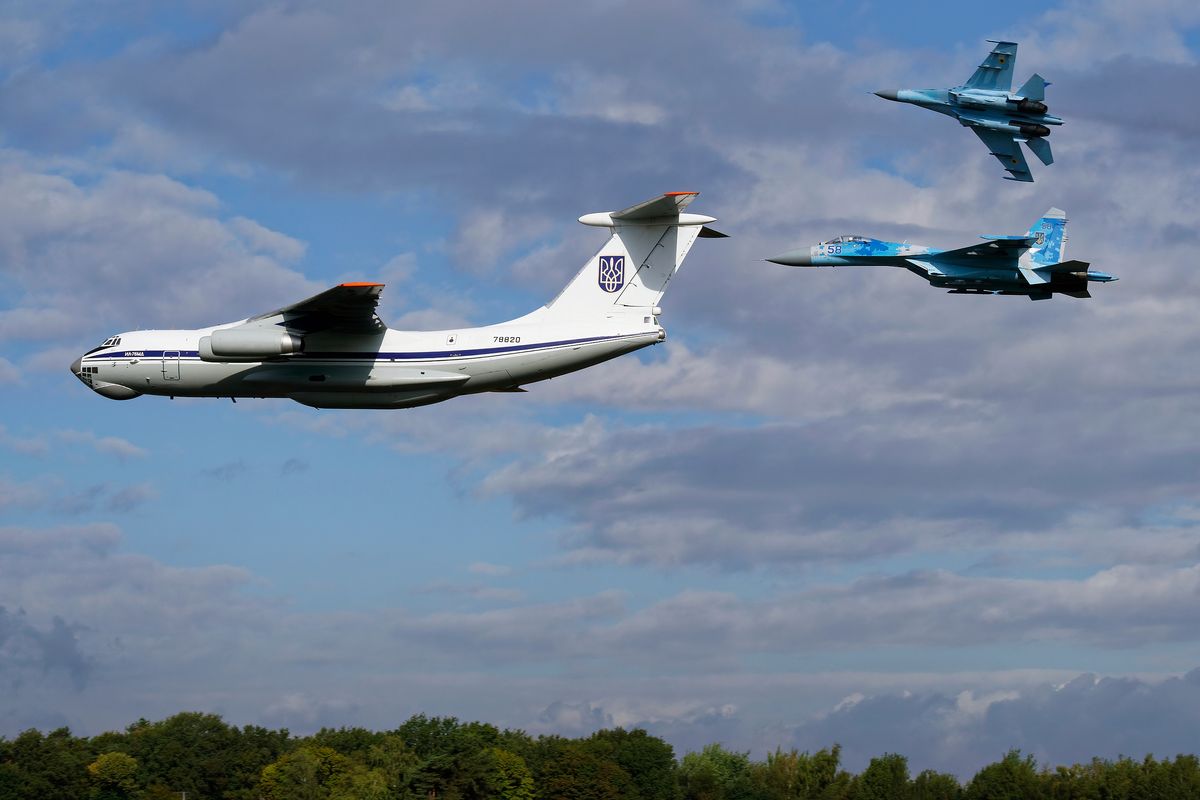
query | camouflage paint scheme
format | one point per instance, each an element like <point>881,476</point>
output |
<point>1029,264</point>
<point>999,116</point>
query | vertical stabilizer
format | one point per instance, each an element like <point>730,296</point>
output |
<point>1049,233</point>
<point>1034,88</point>
<point>648,244</point>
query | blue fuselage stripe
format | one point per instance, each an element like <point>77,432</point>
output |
<point>380,356</point>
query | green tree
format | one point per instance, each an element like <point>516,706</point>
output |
<point>931,785</point>
<point>716,774</point>
<point>1010,778</point>
<point>453,760</point>
<point>801,776</point>
<point>885,778</point>
<point>509,777</point>
<point>49,767</point>
<point>201,755</point>
<point>310,772</point>
<point>114,775</point>
<point>569,770</point>
<point>648,760</point>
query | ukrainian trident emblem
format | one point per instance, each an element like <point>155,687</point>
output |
<point>612,273</point>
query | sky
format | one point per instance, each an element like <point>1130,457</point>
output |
<point>835,506</point>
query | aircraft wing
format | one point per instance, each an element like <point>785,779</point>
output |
<point>347,308</point>
<point>997,248</point>
<point>1007,151</point>
<point>996,71</point>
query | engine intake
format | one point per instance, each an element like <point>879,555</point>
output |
<point>249,345</point>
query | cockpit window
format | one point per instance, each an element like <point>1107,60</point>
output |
<point>849,238</point>
<point>111,341</point>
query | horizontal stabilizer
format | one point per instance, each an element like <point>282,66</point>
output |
<point>1034,88</point>
<point>666,205</point>
<point>1032,277</point>
<point>708,233</point>
<point>1041,148</point>
<point>1082,294</point>
<point>1066,266</point>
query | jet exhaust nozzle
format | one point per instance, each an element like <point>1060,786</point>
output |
<point>1033,131</point>
<point>1032,107</point>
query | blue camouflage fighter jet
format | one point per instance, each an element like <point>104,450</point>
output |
<point>1000,117</point>
<point>1029,264</point>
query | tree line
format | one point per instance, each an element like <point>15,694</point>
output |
<point>439,758</point>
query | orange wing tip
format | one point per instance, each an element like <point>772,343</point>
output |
<point>678,194</point>
<point>360,283</point>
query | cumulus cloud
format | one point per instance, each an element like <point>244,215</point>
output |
<point>114,237</point>
<point>661,495</point>
<point>1086,717</point>
<point>25,647</point>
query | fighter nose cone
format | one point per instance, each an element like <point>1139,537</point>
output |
<point>888,94</point>
<point>794,258</point>
<point>76,365</point>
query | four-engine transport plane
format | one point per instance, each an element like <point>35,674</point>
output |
<point>332,351</point>
<point>1028,264</point>
<point>997,115</point>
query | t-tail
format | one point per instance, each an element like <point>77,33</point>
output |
<point>634,267</point>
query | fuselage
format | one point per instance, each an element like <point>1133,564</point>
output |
<point>391,369</point>
<point>982,108</point>
<point>973,273</point>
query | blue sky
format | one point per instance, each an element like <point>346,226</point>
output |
<point>835,504</point>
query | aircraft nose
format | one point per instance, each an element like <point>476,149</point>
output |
<point>888,94</point>
<point>76,365</point>
<point>794,258</point>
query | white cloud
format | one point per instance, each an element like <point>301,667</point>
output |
<point>109,445</point>
<point>116,238</point>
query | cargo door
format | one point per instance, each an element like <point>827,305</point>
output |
<point>170,365</point>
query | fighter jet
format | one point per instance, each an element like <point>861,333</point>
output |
<point>1027,264</point>
<point>333,351</point>
<point>997,115</point>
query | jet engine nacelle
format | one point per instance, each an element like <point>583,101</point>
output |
<point>1032,107</point>
<point>1033,131</point>
<point>248,345</point>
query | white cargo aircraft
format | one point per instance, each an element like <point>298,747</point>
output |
<point>332,351</point>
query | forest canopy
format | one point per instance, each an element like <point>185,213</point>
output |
<point>428,758</point>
